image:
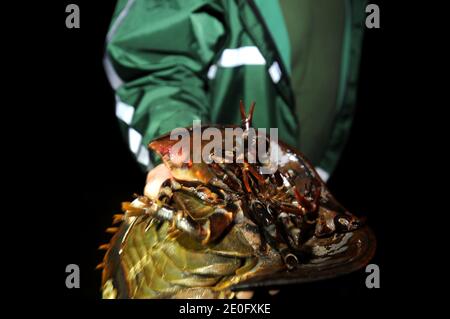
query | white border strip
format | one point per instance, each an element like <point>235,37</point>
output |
<point>249,55</point>
<point>143,156</point>
<point>114,79</point>
<point>124,111</point>
<point>275,72</point>
<point>119,20</point>
<point>324,175</point>
<point>134,140</point>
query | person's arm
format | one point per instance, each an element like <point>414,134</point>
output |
<point>158,54</point>
<point>346,100</point>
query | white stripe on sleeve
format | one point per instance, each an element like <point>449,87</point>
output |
<point>134,140</point>
<point>249,55</point>
<point>124,112</point>
<point>324,175</point>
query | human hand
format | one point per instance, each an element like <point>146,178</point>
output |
<point>155,178</point>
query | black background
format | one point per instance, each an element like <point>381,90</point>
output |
<point>86,170</point>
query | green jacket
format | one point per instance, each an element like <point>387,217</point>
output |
<point>171,62</point>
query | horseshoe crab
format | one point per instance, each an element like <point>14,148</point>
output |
<point>208,228</point>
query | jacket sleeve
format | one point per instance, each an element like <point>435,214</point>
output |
<point>349,81</point>
<point>157,57</point>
